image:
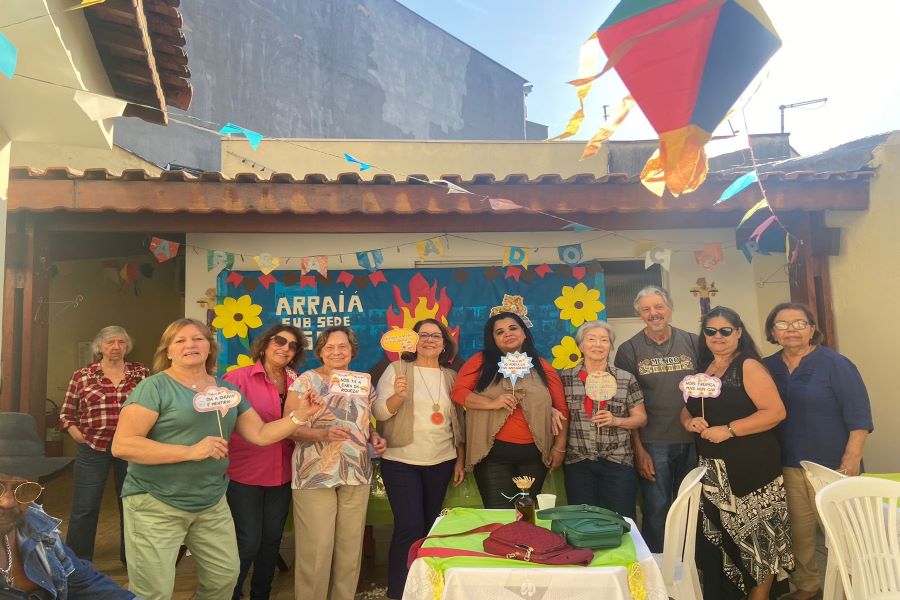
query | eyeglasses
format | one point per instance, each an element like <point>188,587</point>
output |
<point>711,331</point>
<point>431,336</point>
<point>24,493</point>
<point>281,341</point>
<point>799,325</point>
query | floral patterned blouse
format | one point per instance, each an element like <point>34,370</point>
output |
<point>319,465</point>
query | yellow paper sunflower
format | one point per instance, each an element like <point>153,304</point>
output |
<point>566,354</point>
<point>242,361</point>
<point>579,304</point>
<point>236,317</point>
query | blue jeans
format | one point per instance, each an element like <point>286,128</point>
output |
<point>671,462</point>
<point>91,470</point>
<point>602,483</point>
<point>259,514</point>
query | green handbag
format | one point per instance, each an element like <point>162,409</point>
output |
<point>586,526</point>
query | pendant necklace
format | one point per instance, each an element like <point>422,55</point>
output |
<point>6,572</point>
<point>437,417</point>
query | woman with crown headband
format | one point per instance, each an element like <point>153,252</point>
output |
<point>510,431</point>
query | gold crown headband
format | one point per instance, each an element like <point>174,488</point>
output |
<point>515,305</point>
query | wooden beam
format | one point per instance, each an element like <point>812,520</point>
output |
<point>810,276</point>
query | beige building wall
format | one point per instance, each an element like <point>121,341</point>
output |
<point>143,316</point>
<point>402,158</point>
<point>114,160</point>
<point>865,281</point>
<point>735,279</point>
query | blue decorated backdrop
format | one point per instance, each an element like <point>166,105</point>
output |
<point>557,303</point>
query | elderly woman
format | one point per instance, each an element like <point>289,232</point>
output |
<point>744,540</point>
<point>424,433</point>
<point>174,432</point>
<point>828,420</point>
<point>90,414</point>
<point>605,404</point>
<point>332,472</point>
<point>259,486</point>
<point>509,434</point>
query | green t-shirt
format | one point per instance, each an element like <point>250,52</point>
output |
<point>191,485</point>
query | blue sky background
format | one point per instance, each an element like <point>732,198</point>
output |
<point>845,51</point>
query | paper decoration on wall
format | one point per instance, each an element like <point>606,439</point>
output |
<point>249,284</point>
<point>147,270</point>
<point>128,273</point>
<point>218,258</point>
<point>542,270</point>
<point>704,291</point>
<point>710,256</point>
<point>739,185</point>
<point>643,247</point>
<point>98,107</point>
<point>658,256</point>
<point>515,255</point>
<point>579,273</point>
<point>163,250</point>
<point>577,227</point>
<point>9,56</point>
<point>571,254</point>
<point>431,247</point>
<point>345,278</point>
<point>515,366</point>
<point>371,260</point>
<point>266,280</point>
<point>307,281</point>
<point>764,203</point>
<point>252,137</point>
<point>376,278</point>
<point>314,263</point>
<point>513,273</point>
<point>362,166</point>
<point>350,383</point>
<point>503,204</point>
<point>266,262</point>
<point>234,279</point>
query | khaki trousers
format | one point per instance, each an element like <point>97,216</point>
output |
<point>154,532</point>
<point>801,502</point>
<point>328,537</point>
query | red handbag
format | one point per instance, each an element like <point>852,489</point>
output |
<point>517,541</point>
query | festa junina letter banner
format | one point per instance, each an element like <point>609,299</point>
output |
<point>460,298</point>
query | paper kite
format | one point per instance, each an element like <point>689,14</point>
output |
<point>685,63</point>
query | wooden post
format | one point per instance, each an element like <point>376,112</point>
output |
<point>810,278</point>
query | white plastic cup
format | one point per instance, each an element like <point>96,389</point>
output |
<point>546,501</point>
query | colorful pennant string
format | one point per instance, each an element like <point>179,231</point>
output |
<point>9,56</point>
<point>362,165</point>
<point>253,137</point>
<point>739,185</point>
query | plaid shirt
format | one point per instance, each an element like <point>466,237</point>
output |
<point>92,402</point>
<point>586,440</point>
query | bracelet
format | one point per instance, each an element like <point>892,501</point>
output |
<point>298,422</point>
<point>731,431</point>
<point>558,450</point>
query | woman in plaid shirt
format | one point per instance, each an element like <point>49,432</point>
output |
<point>605,404</point>
<point>90,414</point>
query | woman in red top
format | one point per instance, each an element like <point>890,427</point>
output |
<point>509,431</point>
<point>259,487</point>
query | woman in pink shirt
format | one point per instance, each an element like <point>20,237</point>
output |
<point>259,490</point>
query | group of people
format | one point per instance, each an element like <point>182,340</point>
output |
<point>223,483</point>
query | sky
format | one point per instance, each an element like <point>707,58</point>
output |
<point>841,50</point>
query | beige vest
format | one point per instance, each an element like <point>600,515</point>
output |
<point>482,425</point>
<point>398,430</point>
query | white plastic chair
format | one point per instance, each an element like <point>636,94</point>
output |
<point>863,534</point>
<point>819,476</point>
<point>677,562</point>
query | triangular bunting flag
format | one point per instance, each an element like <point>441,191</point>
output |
<point>764,203</point>
<point>252,137</point>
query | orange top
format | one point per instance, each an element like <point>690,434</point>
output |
<point>515,430</point>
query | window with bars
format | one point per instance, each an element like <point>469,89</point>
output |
<point>624,279</point>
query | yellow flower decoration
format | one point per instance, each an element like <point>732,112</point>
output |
<point>579,304</point>
<point>566,354</point>
<point>242,361</point>
<point>235,317</point>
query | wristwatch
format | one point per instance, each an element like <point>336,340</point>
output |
<point>297,421</point>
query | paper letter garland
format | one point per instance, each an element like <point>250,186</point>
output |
<point>266,262</point>
<point>516,256</point>
<point>163,250</point>
<point>426,248</point>
<point>571,254</point>
<point>658,256</point>
<point>370,261</point>
<point>314,263</point>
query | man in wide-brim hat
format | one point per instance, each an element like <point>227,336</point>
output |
<point>34,562</point>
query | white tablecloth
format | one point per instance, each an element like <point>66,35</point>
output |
<point>588,583</point>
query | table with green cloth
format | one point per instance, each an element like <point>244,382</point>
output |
<point>626,572</point>
<point>888,476</point>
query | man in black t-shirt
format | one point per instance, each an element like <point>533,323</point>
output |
<point>659,357</point>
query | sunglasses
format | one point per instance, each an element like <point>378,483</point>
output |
<point>784,325</point>
<point>724,331</point>
<point>280,341</point>
<point>24,493</point>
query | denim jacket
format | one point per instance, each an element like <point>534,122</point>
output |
<point>52,565</point>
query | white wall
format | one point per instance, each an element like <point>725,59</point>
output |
<point>736,279</point>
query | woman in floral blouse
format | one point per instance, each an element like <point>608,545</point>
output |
<point>90,414</point>
<point>332,471</point>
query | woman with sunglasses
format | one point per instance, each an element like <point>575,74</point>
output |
<point>424,433</point>
<point>259,487</point>
<point>828,420</point>
<point>745,534</point>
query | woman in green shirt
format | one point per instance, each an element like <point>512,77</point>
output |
<point>177,448</point>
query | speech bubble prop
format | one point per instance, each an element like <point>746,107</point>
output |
<point>400,340</point>
<point>700,385</point>
<point>350,383</point>
<point>216,399</point>
<point>600,386</point>
<point>515,366</point>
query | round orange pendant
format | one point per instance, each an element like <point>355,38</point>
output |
<point>437,418</point>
